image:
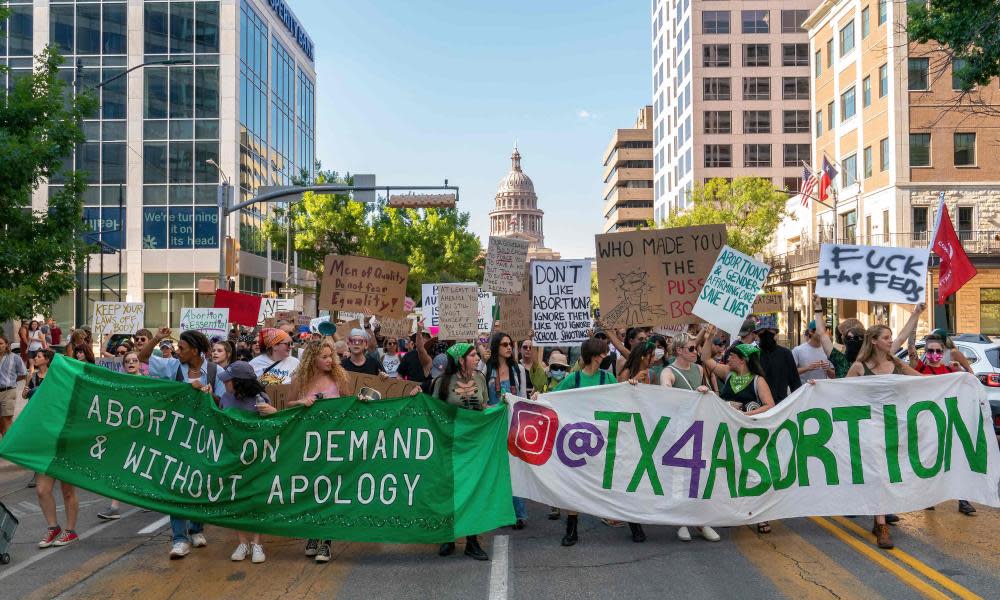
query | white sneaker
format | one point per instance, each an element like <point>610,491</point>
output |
<point>198,540</point>
<point>240,553</point>
<point>709,534</point>
<point>683,534</point>
<point>257,554</point>
<point>179,550</point>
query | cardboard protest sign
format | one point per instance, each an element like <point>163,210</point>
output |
<point>429,310</point>
<point>485,310</point>
<point>395,328</point>
<point>286,315</point>
<point>270,307</point>
<point>458,308</point>
<point>213,322</point>
<point>515,311</point>
<point>344,315</point>
<point>505,260</point>
<point>363,284</point>
<point>387,388</point>
<point>876,273</point>
<point>730,291</point>
<point>111,363</point>
<point>560,301</point>
<point>117,317</point>
<point>280,394</point>
<point>768,303</point>
<point>244,309</point>
<point>653,276</point>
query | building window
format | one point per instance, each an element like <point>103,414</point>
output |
<point>795,155</point>
<point>830,117</point>
<point>717,88</point>
<point>792,20</point>
<point>885,225</point>
<point>866,22</point>
<point>917,74</point>
<point>882,11</point>
<point>965,149</point>
<point>829,54</point>
<point>849,170</point>
<point>19,28</point>
<point>756,155</point>
<point>849,226</point>
<point>868,162</point>
<point>795,55</point>
<point>919,222</point>
<point>847,38</point>
<point>794,88</point>
<point>965,223</point>
<point>715,21</point>
<point>718,155</point>
<point>883,149</point>
<point>989,311</point>
<point>920,149</point>
<point>848,104</point>
<point>793,184</point>
<point>818,62</point>
<point>957,81</point>
<point>819,123</point>
<point>795,121</point>
<point>883,80</point>
<point>756,21</point>
<point>866,92</point>
<point>756,121</point>
<point>715,55</point>
<point>756,88</point>
<point>756,55</point>
<point>718,121</point>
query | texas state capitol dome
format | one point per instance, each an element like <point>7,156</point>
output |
<point>516,213</point>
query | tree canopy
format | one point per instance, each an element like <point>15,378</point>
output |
<point>968,29</point>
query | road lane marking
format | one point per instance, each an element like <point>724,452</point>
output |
<point>47,552</point>
<point>882,560</point>
<point>498,568</point>
<point>154,526</point>
<point>925,570</point>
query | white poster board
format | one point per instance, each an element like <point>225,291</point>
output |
<point>505,265</point>
<point>429,304</point>
<point>876,273</point>
<point>458,307</point>
<point>270,307</point>
<point>560,302</point>
<point>117,317</point>
<point>730,290</point>
<point>213,322</point>
<point>485,310</point>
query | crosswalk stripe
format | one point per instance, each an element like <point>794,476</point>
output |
<point>154,526</point>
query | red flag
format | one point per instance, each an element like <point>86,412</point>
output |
<point>243,308</point>
<point>956,268</point>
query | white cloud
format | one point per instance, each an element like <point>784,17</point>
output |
<point>585,114</point>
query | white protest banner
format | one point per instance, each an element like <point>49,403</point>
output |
<point>485,310</point>
<point>269,307</point>
<point>876,273</point>
<point>213,322</point>
<point>505,260</point>
<point>429,306</point>
<point>730,291</point>
<point>560,302</point>
<point>117,317</point>
<point>458,305</point>
<point>862,446</point>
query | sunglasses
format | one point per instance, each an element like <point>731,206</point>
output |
<point>357,341</point>
<point>935,352</point>
<point>719,342</point>
<point>526,347</point>
<point>505,344</point>
<point>692,348</point>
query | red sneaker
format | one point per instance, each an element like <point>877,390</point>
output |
<point>68,537</point>
<point>50,536</point>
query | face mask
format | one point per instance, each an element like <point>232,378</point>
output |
<point>557,375</point>
<point>767,341</point>
<point>658,354</point>
<point>853,346</point>
<point>607,363</point>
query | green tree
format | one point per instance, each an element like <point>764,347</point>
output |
<point>969,30</point>
<point>435,242</point>
<point>39,249</point>
<point>750,208</point>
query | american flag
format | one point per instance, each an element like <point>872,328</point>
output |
<point>809,183</point>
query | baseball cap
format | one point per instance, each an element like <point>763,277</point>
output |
<point>767,322</point>
<point>240,369</point>
<point>438,365</point>
<point>941,333</point>
<point>748,327</point>
<point>359,333</point>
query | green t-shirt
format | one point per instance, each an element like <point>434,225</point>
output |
<point>570,381</point>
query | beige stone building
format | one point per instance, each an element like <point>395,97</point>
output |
<point>628,175</point>
<point>516,213</point>
<point>891,116</point>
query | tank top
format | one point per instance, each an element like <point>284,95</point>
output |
<point>688,379</point>
<point>895,369</point>
<point>744,397</point>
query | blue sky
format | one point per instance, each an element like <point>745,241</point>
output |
<point>417,92</point>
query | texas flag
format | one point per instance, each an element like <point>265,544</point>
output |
<point>956,268</point>
<point>826,179</point>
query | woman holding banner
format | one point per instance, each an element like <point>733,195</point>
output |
<point>276,364</point>
<point>131,365</point>
<point>743,384</point>
<point>876,358</point>
<point>464,386</point>
<point>638,365</point>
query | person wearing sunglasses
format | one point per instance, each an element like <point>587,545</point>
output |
<point>390,358</point>
<point>359,361</point>
<point>276,364</point>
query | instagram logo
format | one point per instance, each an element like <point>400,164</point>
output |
<point>532,432</point>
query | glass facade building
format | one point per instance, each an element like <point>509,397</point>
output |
<point>241,98</point>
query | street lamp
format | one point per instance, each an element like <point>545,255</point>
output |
<point>222,199</point>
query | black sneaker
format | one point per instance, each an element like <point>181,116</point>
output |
<point>520,524</point>
<point>323,553</point>
<point>446,549</point>
<point>554,514</point>
<point>312,547</point>
<point>891,519</point>
<point>966,508</point>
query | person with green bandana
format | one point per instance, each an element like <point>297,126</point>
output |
<point>743,383</point>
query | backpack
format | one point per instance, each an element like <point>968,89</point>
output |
<point>213,371</point>
<point>577,378</point>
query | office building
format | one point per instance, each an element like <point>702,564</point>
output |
<point>628,176</point>
<point>730,94</point>
<point>243,98</point>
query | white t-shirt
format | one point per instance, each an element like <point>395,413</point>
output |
<point>390,364</point>
<point>280,373</point>
<point>805,354</point>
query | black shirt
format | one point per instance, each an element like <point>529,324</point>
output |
<point>780,372</point>
<point>411,369</point>
<point>371,366</point>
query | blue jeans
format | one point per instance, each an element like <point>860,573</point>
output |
<point>520,510</point>
<point>183,528</point>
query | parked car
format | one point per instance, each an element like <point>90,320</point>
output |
<point>984,358</point>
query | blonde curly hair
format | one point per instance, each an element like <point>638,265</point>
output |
<point>308,370</point>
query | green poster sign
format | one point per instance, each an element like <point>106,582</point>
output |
<point>406,470</point>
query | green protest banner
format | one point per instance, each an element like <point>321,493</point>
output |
<point>410,470</point>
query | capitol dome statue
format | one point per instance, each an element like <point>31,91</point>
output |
<point>516,213</point>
